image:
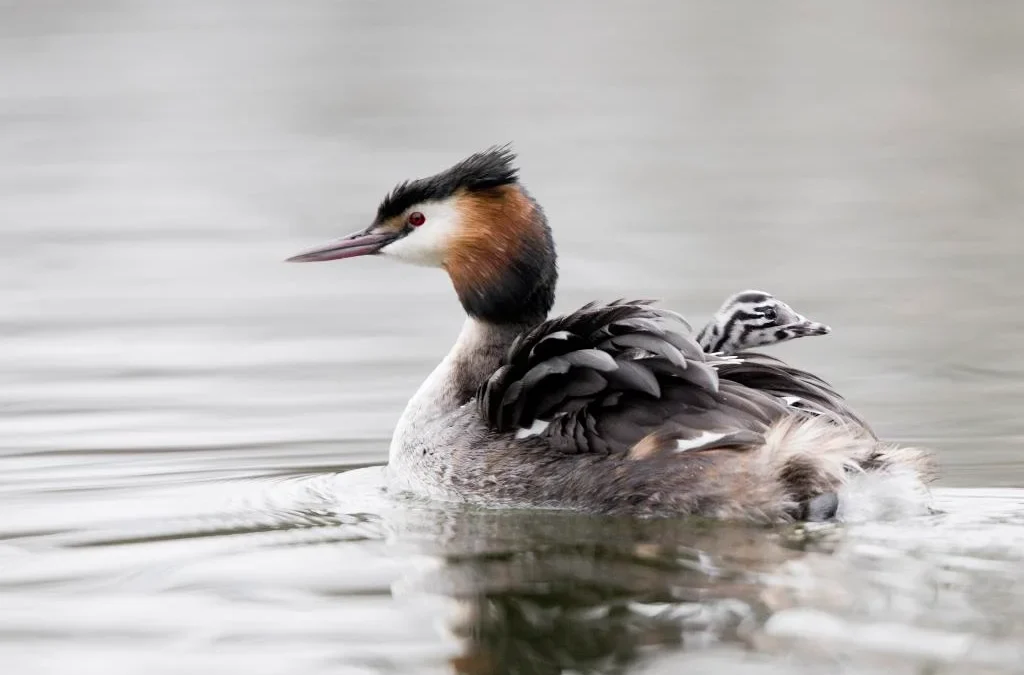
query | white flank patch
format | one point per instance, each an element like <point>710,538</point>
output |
<point>536,429</point>
<point>684,444</point>
<point>791,400</point>
<point>427,244</point>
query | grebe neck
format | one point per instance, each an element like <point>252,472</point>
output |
<point>504,267</point>
<point>475,355</point>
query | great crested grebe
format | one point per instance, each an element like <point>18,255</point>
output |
<point>754,319</point>
<point>614,408</point>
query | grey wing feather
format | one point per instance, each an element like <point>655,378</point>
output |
<point>608,376</point>
<point>794,387</point>
<point>631,375</point>
<point>656,346</point>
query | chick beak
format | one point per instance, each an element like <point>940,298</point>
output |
<point>364,242</point>
<point>809,328</point>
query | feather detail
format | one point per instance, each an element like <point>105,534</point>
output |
<point>626,377</point>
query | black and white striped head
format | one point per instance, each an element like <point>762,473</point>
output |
<point>755,319</point>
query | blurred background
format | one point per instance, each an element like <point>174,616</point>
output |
<point>177,404</point>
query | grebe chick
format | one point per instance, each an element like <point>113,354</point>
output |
<point>613,408</point>
<point>755,319</point>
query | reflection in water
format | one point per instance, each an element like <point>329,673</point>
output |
<point>554,592</point>
<point>320,573</point>
<point>587,600</point>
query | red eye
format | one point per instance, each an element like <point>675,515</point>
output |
<point>416,219</point>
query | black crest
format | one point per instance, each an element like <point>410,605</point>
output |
<point>752,297</point>
<point>488,169</point>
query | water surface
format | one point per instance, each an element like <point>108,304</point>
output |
<point>191,431</point>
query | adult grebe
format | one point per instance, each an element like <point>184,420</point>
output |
<point>613,408</point>
<point>754,319</point>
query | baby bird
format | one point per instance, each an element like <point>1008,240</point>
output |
<point>754,319</point>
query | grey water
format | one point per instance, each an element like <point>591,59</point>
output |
<point>191,431</point>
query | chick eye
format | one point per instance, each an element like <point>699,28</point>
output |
<point>416,219</point>
<point>770,314</point>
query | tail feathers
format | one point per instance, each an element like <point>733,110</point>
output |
<point>893,485</point>
<point>809,457</point>
<point>798,460</point>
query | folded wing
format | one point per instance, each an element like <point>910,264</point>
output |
<point>606,377</point>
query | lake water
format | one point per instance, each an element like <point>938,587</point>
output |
<point>191,432</point>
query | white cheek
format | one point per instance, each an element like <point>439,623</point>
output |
<point>427,244</point>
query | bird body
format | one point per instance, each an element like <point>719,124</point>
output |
<point>613,408</point>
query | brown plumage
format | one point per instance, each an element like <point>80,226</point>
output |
<point>499,228</point>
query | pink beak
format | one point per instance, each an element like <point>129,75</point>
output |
<point>365,242</point>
